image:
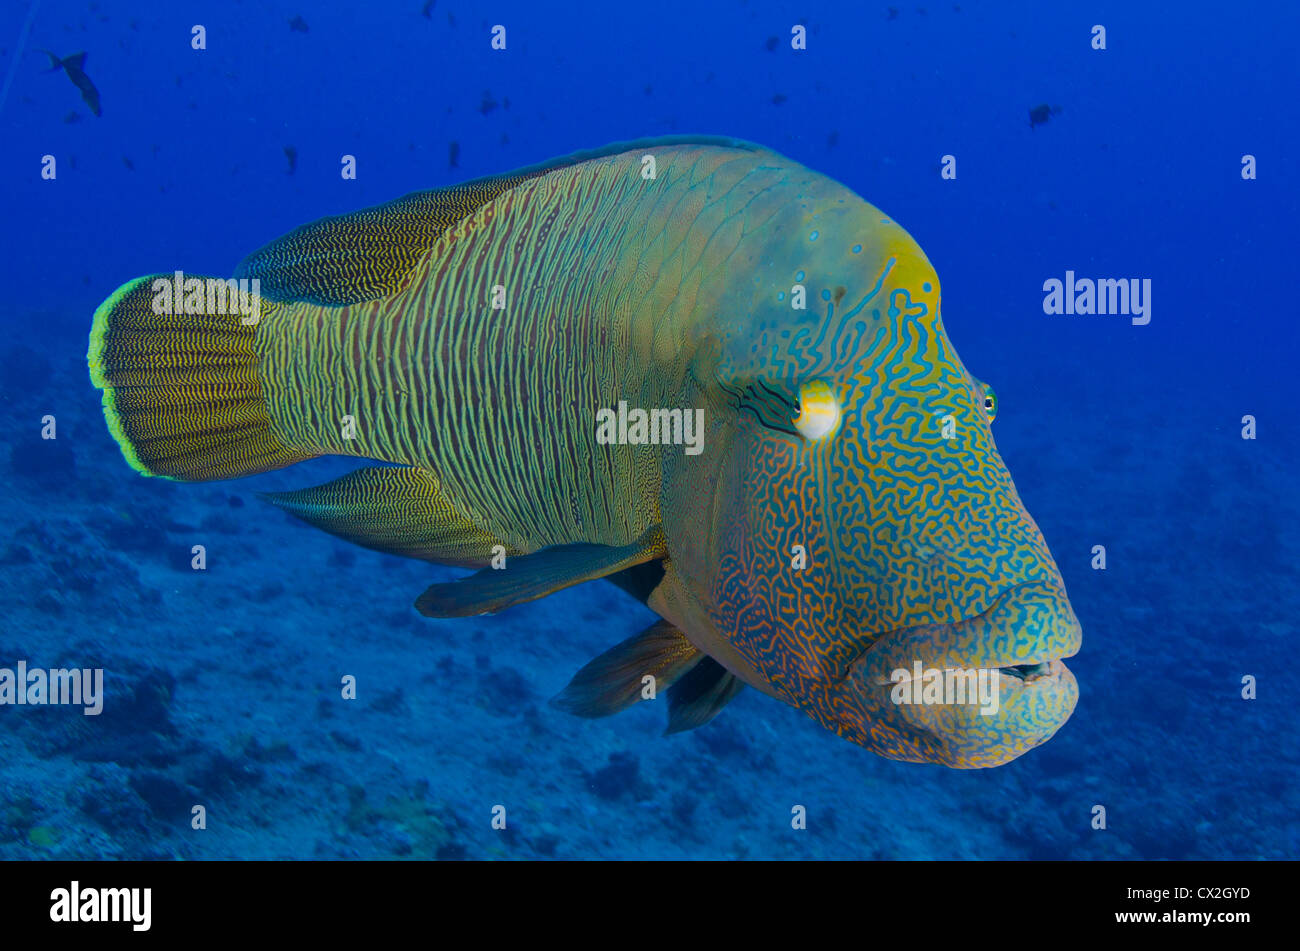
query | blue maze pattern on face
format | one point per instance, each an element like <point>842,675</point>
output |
<point>909,522</point>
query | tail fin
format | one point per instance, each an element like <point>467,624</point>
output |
<point>181,391</point>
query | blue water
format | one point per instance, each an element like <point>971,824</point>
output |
<point>223,685</point>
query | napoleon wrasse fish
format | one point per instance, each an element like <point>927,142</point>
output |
<point>848,516</point>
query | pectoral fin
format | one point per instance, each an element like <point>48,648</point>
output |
<point>640,580</point>
<point>397,510</point>
<point>615,680</point>
<point>528,577</point>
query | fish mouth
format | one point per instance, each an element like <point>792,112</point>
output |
<point>970,694</point>
<point>1025,635</point>
<point>1014,676</point>
<point>1028,673</point>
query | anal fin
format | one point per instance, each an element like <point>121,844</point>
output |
<point>397,510</point>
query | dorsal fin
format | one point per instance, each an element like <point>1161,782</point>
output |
<point>366,254</point>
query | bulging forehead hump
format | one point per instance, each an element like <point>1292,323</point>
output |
<point>922,521</point>
<point>834,279</point>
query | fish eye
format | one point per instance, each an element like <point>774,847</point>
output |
<point>817,412</point>
<point>990,402</point>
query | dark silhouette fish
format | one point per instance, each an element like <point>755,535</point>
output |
<point>74,66</point>
<point>1040,114</point>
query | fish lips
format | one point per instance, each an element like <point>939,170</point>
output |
<point>976,693</point>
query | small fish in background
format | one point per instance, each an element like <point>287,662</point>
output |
<point>299,25</point>
<point>893,14</point>
<point>291,154</point>
<point>453,155</point>
<point>74,66</point>
<point>487,104</point>
<point>1040,114</point>
<point>778,99</point>
<point>771,44</point>
<point>71,117</point>
<point>130,166</point>
<point>427,10</point>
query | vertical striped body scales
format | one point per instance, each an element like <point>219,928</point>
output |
<point>594,300</point>
<point>472,335</point>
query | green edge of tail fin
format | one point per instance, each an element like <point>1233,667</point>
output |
<point>94,359</point>
<point>181,394</point>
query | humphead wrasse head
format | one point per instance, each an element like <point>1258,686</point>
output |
<point>851,534</point>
